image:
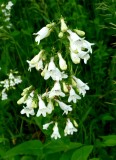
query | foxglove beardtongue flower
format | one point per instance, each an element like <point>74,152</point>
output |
<point>82,87</point>
<point>55,133</point>
<point>28,111</point>
<point>43,33</point>
<point>50,106</point>
<point>36,61</point>
<point>75,57</point>
<point>54,72</point>
<point>56,91</point>
<point>4,95</point>
<point>9,5</point>
<point>43,110</point>
<point>62,62</point>
<point>73,96</point>
<point>45,126</point>
<point>69,129</point>
<point>66,108</point>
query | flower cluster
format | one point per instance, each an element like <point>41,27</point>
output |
<point>10,83</point>
<point>66,88</point>
<point>6,11</point>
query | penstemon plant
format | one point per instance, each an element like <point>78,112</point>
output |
<point>66,89</point>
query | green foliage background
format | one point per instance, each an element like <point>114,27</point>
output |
<point>20,137</point>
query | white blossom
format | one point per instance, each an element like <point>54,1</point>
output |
<point>73,96</point>
<point>36,61</point>
<point>42,108</point>
<point>45,126</point>
<point>28,111</point>
<point>69,129</point>
<point>9,5</point>
<point>82,87</point>
<point>66,108</point>
<point>42,33</point>
<point>75,57</point>
<point>4,95</point>
<point>56,90</point>
<point>50,106</point>
<point>55,133</point>
<point>54,72</point>
<point>62,62</point>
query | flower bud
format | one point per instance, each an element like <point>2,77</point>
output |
<point>62,62</point>
<point>50,25</point>
<point>79,32</point>
<point>34,104</point>
<point>25,91</point>
<point>75,58</point>
<point>65,88</point>
<point>44,71</point>
<point>60,35</point>
<point>75,123</point>
<point>63,25</point>
<point>21,100</point>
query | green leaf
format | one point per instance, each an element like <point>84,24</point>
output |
<point>109,140</point>
<point>58,146</point>
<point>82,153</point>
<point>33,147</point>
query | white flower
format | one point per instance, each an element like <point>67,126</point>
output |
<point>63,25</point>
<point>75,57</point>
<point>66,108</point>
<point>50,106</point>
<point>9,5</point>
<point>42,108</point>
<point>54,72</point>
<point>69,129</point>
<point>62,62</point>
<point>17,79</point>
<point>73,36</point>
<point>82,87</point>
<point>56,91</point>
<point>44,70</point>
<point>36,61</point>
<point>4,95</point>
<point>55,133</point>
<point>39,65</point>
<point>45,126</point>
<point>42,33</point>
<point>73,96</point>
<point>28,111</point>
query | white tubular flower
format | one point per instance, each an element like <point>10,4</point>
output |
<point>75,58</point>
<point>4,95</point>
<point>42,108</point>
<point>28,111</point>
<point>41,34</point>
<point>50,107</point>
<point>73,96</point>
<point>56,91</point>
<point>45,126</point>
<point>55,133</point>
<point>54,72</point>
<point>39,65</point>
<point>36,61</point>
<point>69,129</point>
<point>63,25</point>
<point>82,87</point>
<point>44,70</point>
<point>66,108</point>
<point>62,62</point>
<point>73,36</point>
